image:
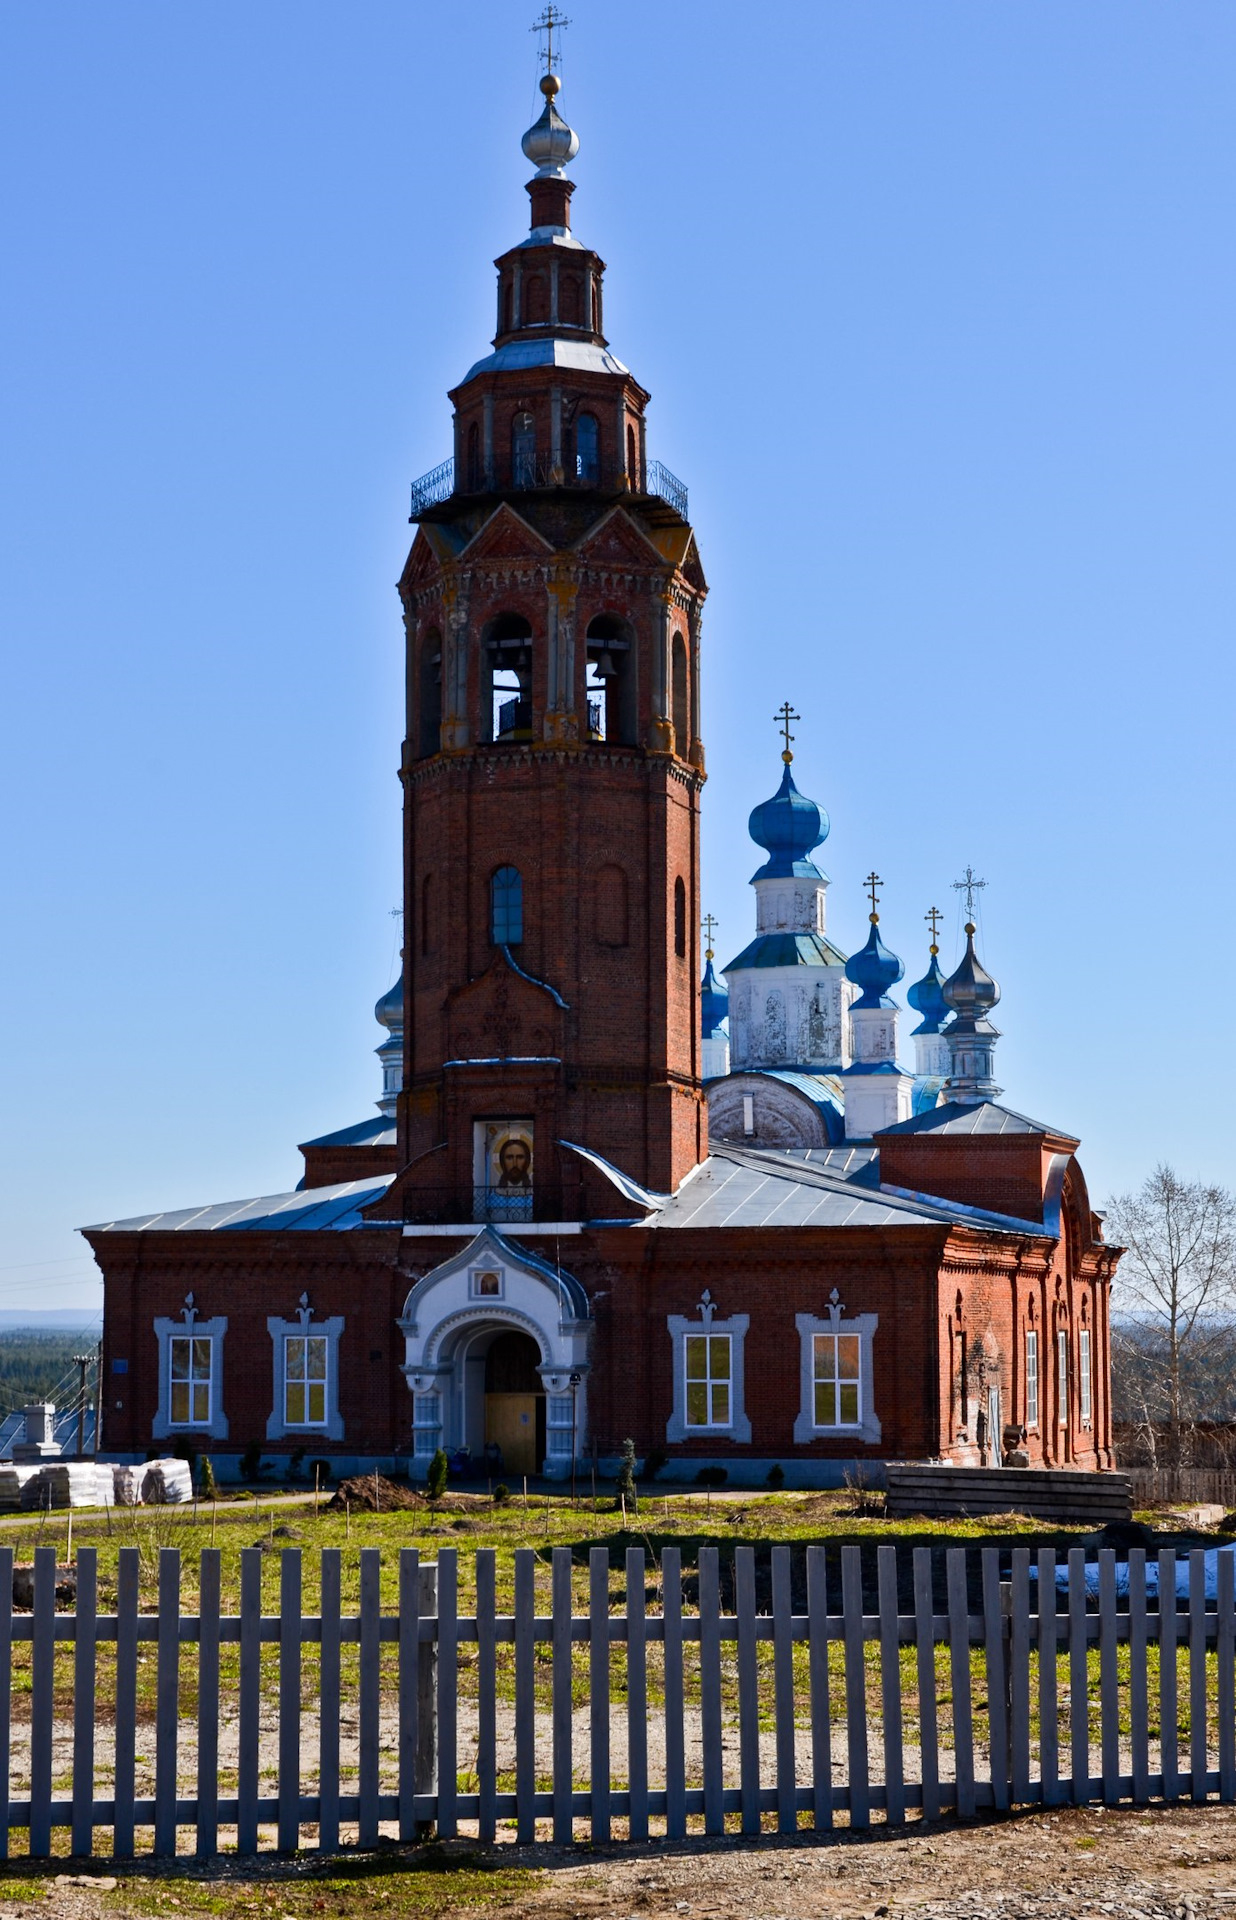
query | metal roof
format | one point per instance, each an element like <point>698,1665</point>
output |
<point>984,1116</point>
<point>378,1132</point>
<point>335,1209</point>
<point>581,356</point>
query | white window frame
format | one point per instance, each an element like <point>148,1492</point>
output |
<point>738,1427</point>
<point>306,1381</point>
<point>1062,1377</point>
<point>190,1327</point>
<point>278,1427</point>
<point>193,1381</point>
<point>1032,1379</point>
<point>712,1384</point>
<point>836,1379</point>
<point>867,1430</point>
<point>1085,1399</point>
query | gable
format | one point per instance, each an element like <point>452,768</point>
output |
<point>504,1014</point>
<point>424,562</point>
<point>616,541</point>
<point>506,536</point>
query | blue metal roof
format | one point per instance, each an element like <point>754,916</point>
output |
<point>378,1132</point>
<point>335,1209</point>
<point>787,950</point>
<point>982,1116</point>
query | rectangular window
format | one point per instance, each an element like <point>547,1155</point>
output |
<point>1083,1373</point>
<point>1062,1379</point>
<point>190,1378</point>
<point>1032,1378</point>
<point>304,1380</point>
<point>837,1371</point>
<point>707,1358</point>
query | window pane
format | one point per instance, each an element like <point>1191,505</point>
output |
<point>847,1356</point>
<point>849,1406</point>
<point>825,1404</point>
<point>201,1359</point>
<point>201,1402</point>
<point>180,1359</point>
<point>317,1359</point>
<point>719,1355</point>
<point>317,1403</point>
<point>697,1357</point>
<point>697,1404</point>
<point>825,1356</point>
<point>294,1357</point>
<point>295,1404</point>
<point>180,1403</point>
<point>721,1406</point>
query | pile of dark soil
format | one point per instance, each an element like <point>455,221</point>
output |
<point>370,1493</point>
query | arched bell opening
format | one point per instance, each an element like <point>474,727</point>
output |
<point>506,675</point>
<point>610,688</point>
<point>429,695</point>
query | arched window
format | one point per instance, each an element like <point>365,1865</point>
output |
<point>506,907</point>
<point>680,920</point>
<point>587,449</point>
<point>682,727</point>
<point>536,300</point>
<point>474,458</point>
<point>427,914</point>
<point>430,692</point>
<point>570,300</point>
<point>632,460</point>
<point>523,450</point>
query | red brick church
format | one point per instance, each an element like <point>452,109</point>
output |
<point>534,1250</point>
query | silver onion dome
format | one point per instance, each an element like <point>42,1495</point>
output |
<point>389,1011</point>
<point>550,144</point>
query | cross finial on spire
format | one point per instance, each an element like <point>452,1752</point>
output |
<point>872,883</point>
<point>969,886</point>
<point>710,925</point>
<point>551,19</point>
<point>783,716</point>
<point>934,915</point>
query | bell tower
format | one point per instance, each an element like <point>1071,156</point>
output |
<point>552,768</point>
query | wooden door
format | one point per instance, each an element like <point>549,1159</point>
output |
<point>511,1423</point>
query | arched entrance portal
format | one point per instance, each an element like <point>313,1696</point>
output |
<point>514,1405</point>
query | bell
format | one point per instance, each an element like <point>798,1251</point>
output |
<point>604,668</point>
<point>523,661</point>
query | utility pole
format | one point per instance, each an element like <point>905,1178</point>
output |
<point>81,1361</point>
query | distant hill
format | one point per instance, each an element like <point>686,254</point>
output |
<point>42,1321</point>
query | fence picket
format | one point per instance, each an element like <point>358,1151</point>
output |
<point>783,1691</point>
<point>1019,1678</point>
<point>1079,1680</point>
<point>1169,1676</point>
<point>1139,1741</point>
<point>128,1576</point>
<point>560,1629</point>
<point>250,1703</point>
<point>925,1661</point>
<point>448,1690</point>
<point>410,1674</point>
<point>6,1691</point>
<point>675,1727</point>
<point>817,1657</point>
<point>1224,1655</point>
<point>748,1689</point>
<point>84,1656</point>
<point>598,1688</point>
<point>369,1700</point>
<point>959,1671</point>
<point>997,1679</point>
<point>1049,1690</point>
<point>525,1695</point>
<point>637,1695</point>
<point>329,1679</point>
<point>1197,1674</point>
<point>209,1588</point>
<point>1109,1691</point>
<point>42,1700</point>
<point>167,1703</point>
<point>710,1689</point>
<point>427,1691</point>
<point>486,1694</point>
<point>289,1698</point>
<point>890,1686</point>
<point>855,1687</point>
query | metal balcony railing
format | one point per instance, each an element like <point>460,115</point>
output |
<point>536,472</point>
<point>469,1207</point>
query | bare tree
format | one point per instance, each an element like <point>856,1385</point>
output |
<point>1176,1293</point>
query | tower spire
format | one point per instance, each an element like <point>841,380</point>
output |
<point>971,993</point>
<point>877,1092</point>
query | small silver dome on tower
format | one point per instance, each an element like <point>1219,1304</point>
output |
<point>550,144</point>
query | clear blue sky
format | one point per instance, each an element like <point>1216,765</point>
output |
<point>936,304</point>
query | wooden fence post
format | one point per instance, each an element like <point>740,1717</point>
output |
<point>427,1692</point>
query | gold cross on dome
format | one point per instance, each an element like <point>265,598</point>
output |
<point>709,924</point>
<point>550,19</point>
<point>969,886</point>
<point>872,882</point>
<point>935,916</point>
<point>784,714</point>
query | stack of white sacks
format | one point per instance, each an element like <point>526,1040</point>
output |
<point>167,1482</point>
<point>89,1483</point>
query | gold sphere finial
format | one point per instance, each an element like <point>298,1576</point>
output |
<point>874,919</point>
<point>786,755</point>
<point>971,928</point>
<point>933,951</point>
<point>550,85</point>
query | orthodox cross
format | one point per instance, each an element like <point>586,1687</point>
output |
<point>871,883</point>
<point>969,886</point>
<point>709,924</point>
<point>550,19</point>
<point>784,714</point>
<point>935,916</point>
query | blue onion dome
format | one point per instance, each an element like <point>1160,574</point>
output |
<point>714,1001</point>
<point>788,826</point>
<point>389,1011</point>
<point>874,969</point>
<point>926,996</point>
<point>970,992</point>
<point>550,144</point>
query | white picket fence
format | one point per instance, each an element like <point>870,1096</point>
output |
<point>738,1722</point>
